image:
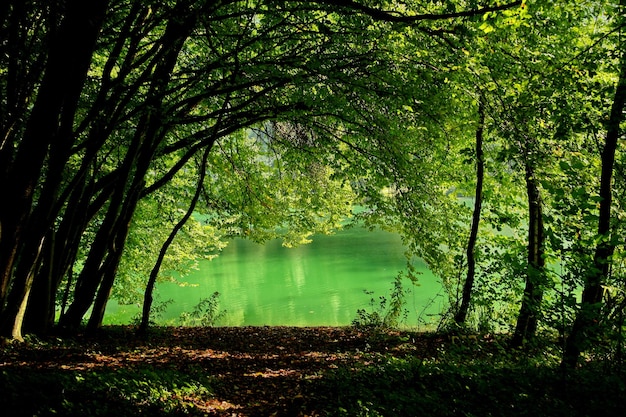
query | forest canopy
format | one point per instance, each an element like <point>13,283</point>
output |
<point>139,136</point>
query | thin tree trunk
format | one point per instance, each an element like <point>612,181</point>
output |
<point>59,260</point>
<point>17,319</point>
<point>109,272</point>
<point>103,255</point>
<point>588,317</point>
<point>463,310</point>
<point>39,317</point>
<point>528,317</point>
<point>147,303</point>
<point>148,297</point>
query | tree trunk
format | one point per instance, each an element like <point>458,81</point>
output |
<point>53,111</point>
<point>147,303</point>
<point>64,244</point>
<point>111,235</point>
<point>527,319</point>
<point>17,302</point>
<point>110,270</point>
<point>103,255</point>
<point>586,324</point>
<point>39,317</point>
<point>461,314</point>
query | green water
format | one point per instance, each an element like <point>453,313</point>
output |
<point>320,284</point>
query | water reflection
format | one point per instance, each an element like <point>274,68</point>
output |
<point>322,283</point>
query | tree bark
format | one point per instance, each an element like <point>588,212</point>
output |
<point>59,257</point>
<point>528,317</point>
<point>105,252</point>
<point>39,317</point>
<point>111,266</point>
<point>463,310</point>
<point>13,315</point>
<point>586,324</point>
<point>49,125</point>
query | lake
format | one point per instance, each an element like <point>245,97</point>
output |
<point>323,283</point>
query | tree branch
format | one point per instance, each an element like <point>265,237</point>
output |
<point>395,17</point>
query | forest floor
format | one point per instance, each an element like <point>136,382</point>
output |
<point>287,371</point>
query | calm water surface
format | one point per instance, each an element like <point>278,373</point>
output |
<point>320,284</point>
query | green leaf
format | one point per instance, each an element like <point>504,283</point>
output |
<point>486,27</point>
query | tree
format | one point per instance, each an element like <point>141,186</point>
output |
<point>468,285</point>
<point>45,138</point>
<point>589,314</point>
<point>147,304</point>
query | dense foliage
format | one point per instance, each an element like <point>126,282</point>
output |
<point>139,136</point>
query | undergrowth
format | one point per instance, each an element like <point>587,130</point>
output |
<point>474,377</point>
<point>119,392</point>
<point>370,374</point>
